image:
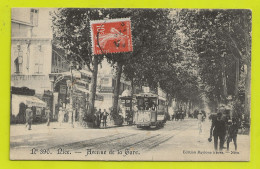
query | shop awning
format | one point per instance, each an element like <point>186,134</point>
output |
<point>27,100</point>
<point>98,96</point>
<point>74,73</point>
<point>88,73</point>
<point>82,90</point>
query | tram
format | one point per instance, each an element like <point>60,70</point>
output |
<point>151,110</point>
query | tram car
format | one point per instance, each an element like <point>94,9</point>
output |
<point>151,110</point>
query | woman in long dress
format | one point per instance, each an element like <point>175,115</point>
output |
<point>61,116</point>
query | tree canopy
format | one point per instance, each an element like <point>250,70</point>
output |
<point>191,54</point>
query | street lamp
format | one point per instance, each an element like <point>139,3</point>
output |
<point>52,79</point>
<point>71,97</point>
<point>76,66</point>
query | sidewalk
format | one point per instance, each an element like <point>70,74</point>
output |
<point>20,129</point>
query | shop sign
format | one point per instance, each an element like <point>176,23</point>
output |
<point>63,89</point>
<point>106,89</point>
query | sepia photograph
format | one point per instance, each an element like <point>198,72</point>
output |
<point>130,84</point>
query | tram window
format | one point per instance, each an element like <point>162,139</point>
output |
<point>161,105</point>
<point>146,103</point>
<point>147,106</point>
<point>128,104</point>
<point>140,104</point>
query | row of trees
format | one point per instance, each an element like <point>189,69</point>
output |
<point>222,41</point>
<point>190,53</point>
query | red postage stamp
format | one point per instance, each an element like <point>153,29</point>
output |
<point>111,36</point>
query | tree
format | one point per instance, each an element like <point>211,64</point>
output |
<point>152,36</point>
<point>71,27</point>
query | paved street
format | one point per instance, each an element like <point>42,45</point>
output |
<point>181,139</point>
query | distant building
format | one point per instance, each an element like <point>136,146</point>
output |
<point>105,87</point>
<point>59,61</point>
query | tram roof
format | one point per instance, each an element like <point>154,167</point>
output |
<point>147,95</point>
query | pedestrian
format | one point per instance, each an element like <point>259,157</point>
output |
<point>147,107</point>
<point>182,115</point>
<point>204,114</point>
<point>232,132</point>
<point>98,117</point>
<point>26,117</point>
<point>200,121</point>
<point>153,107</point>
<point>178,115</point>
<point>61,115</point>
<point>173,117</point>
<point>81,115</point>
<point>71,110</point>
<point>48,115</point>
<point>29,117</point>
<point>104,117</point>
<point>218,130</point>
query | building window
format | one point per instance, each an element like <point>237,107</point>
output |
<point>38,68</point>
<point>38,61</point>
<point>104,81</point>
<point>40,48</point>
<point>19,60</point>
<point>53,58</point>
<point>56,64</point>
<point>34,17</point>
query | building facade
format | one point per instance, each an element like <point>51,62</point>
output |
<point>31,52</point>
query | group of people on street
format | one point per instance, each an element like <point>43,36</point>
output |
<point>178,115</point>
<point>223,131</point>
<point>67,114</point>
<point>29,117</point>
<point>101,118</point>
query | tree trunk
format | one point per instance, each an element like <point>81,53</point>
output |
<point>237,78</point>
<point>224,79</point>
<point>93,86</point>
<point>190,107</point>
<point>248,90</point>
<point>117,87</point>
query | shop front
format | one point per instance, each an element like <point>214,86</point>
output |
<point>19,105</point>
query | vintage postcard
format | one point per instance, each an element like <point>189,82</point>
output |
<point>131,84</point>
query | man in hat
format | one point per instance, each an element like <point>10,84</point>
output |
<point>29,117</point>
<point>232,132</point>
<point>218,130</point>
<point>104,117</point>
